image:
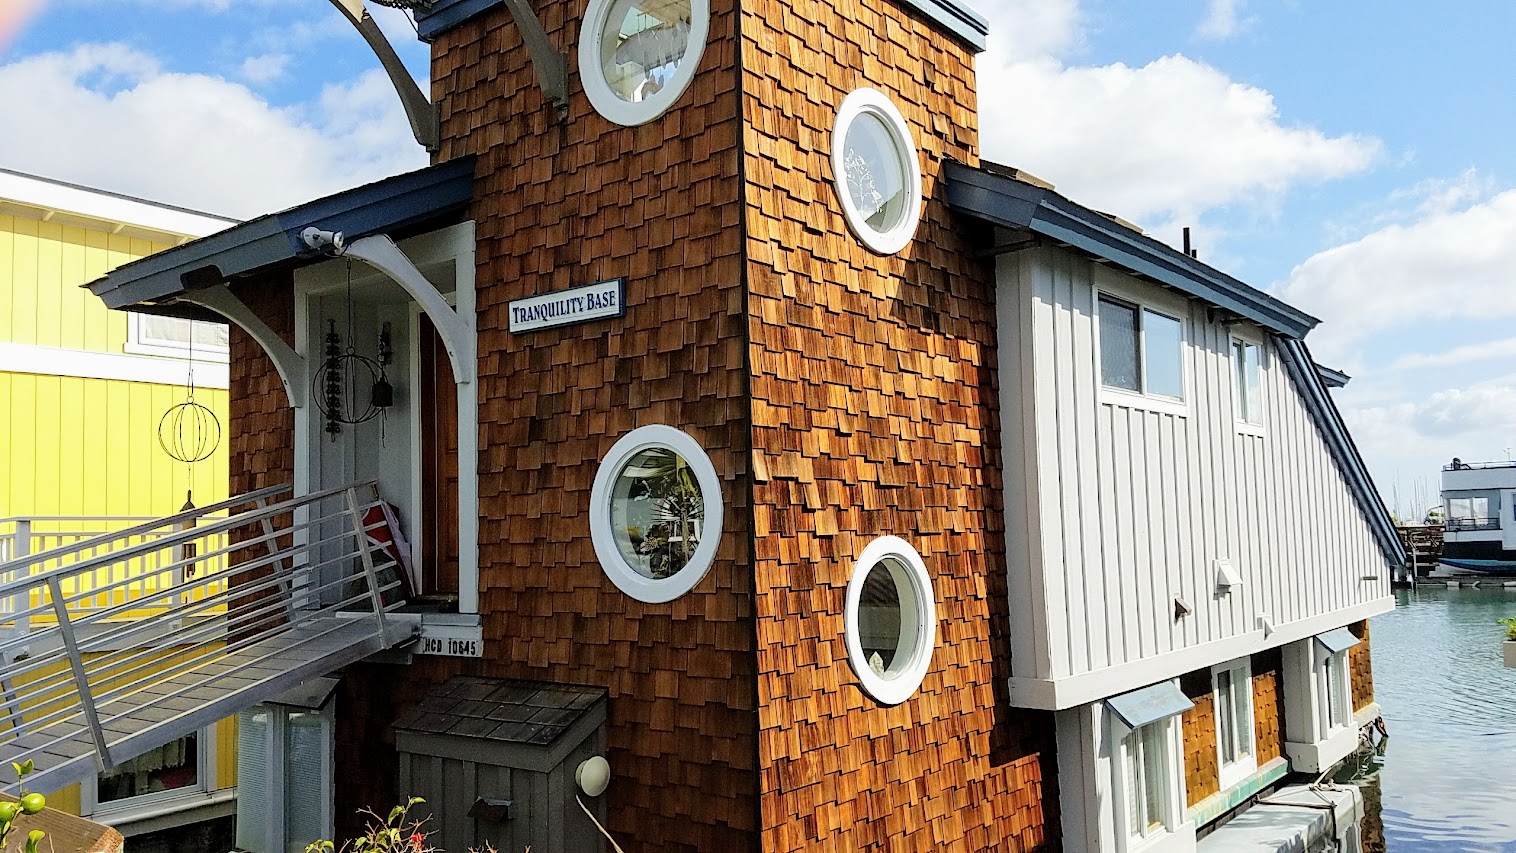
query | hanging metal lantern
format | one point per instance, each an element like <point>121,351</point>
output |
<point>189,432</point>
<point>343,387</point>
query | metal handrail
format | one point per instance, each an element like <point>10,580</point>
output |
<point>1472,523</point>
<point>319,565</point>
<point>183,537</point>
<point>152,526</point>
<point>1460,465</point>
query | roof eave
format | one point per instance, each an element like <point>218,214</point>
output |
<point>392,205</point>
<point>1013,204</point>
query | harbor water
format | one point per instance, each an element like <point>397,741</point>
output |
<point>1446,783</point>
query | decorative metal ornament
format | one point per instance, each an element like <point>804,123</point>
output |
<point>383,395</point>
<point>189,432</point>
<point>344,387</point>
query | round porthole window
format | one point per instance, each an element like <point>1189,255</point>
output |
<point>655,516</point>
<point>891,619</point>
<point>636,57</point>
<point>874,165</point>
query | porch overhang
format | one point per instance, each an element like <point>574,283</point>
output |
<point>398,206</point>
<point>992,195</point>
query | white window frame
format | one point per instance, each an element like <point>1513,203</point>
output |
<point>1244,741</point>
<point>1325,664</point>
<point>1108,288</point>
<point>138,342</point>
<point>276,761</point>
<point>1171,765</point>
<point>858,103</point>
<point>591,72</point>
<point>1248,422</point>
<point>918,601</point>
<point>626,578</point>
<point>154,803</point>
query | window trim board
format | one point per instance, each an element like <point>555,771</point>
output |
<point>1105,288</point>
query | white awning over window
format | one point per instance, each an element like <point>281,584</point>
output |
<point>1338,640</point>
<point>1149,704</point>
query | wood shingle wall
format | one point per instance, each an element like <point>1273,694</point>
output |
<point>1360,666</point>
<point>874,412</point>
<point>1268,705</point>
<point>566,204</point>
<point>1202,775</point>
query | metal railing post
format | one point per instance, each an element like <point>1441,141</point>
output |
<point>272,544</point>
<point>367,556</point>
<point>81,678</point>
<point>21,546</point>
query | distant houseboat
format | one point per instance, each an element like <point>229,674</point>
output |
<point>1479,508</point>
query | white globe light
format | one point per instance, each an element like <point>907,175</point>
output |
<point>593,775</point>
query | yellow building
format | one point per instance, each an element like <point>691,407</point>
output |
<point>83,390</point>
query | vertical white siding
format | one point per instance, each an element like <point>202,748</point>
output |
<point>1114,510</point>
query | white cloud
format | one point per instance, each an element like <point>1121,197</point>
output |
<point>1448,265</point>
<point>1031,29</point>
<point>1165,141</point>
<point>1406,441</point>
<point>1223,20</point>
<point>265,68</point>
<point>1504,348</point>
<point>1486,407</point>
<point>111,117</point>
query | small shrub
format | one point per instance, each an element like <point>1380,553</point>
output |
<point>1510,627</point>
<point>29,804</point>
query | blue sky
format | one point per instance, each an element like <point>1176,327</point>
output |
<point>1354,158</point>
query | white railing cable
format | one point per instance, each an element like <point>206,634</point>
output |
<point>141,619</point>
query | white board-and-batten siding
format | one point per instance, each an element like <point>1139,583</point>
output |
<point>1115,508</point>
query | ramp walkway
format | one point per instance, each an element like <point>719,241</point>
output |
<point>116,644</point>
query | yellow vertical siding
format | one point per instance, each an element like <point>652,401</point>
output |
<point>90,447</point>
<point>77,446</point>
<point>226,753</point>
<point>42,266</point>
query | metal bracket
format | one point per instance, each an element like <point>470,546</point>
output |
<point>419,109</point>
<point>551,65</point>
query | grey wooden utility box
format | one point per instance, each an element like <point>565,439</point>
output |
<point>495,761</point>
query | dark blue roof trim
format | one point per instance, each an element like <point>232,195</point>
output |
<point>443,15</point>
<point>1015,204</point>
<point>952,15</point>
<point>1302,370</point>
<point>391,205</point>
<point>1333,378</point>
<point>957,18</point>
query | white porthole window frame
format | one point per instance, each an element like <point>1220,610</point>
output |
<point>592,70</point>
<point>867,101</point>
<point>917,598</point>
<point>621,573</point>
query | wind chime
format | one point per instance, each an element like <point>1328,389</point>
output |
<point>189,432</point>
<point>351,388</point>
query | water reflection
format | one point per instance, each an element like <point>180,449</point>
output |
<point>1451,710</point>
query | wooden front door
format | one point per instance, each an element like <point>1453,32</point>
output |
<point>439,466</point>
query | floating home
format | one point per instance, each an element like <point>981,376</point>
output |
<point>1479,517</point>
<point>711,408</point>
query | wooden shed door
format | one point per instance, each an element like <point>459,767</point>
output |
<point>439,465</point>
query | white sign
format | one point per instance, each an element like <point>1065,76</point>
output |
<point>456,641</point>
<point>575,305</point>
